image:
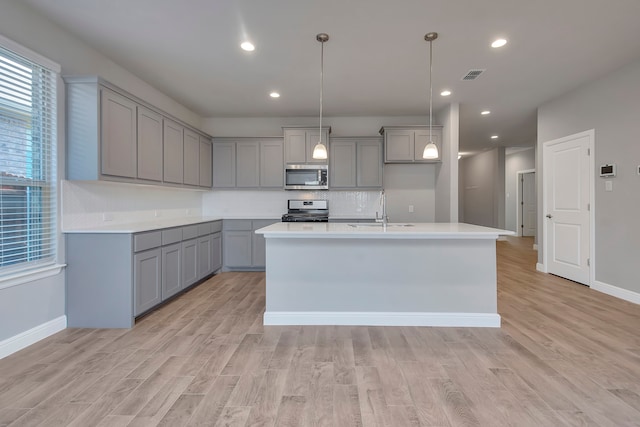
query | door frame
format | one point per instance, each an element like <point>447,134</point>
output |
<point>518,195</point>
<point>592,211</point>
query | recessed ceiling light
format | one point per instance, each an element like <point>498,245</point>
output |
<point>248,46</point>
<point>485,112</point>
<point>499,43</point>
<point>445,93</point>
<point>274,95</point>
<point>494,136</point>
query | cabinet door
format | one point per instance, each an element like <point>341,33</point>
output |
<point>224,164</point>
<point>189,262</point>
<point>173,149</point>
<point>204,256</point>
<point>312,138</point>
<point>191,160</point>
<point>148,283</point>
<point>237,248</point>
<point>247,164</point>
<point>422,139</point>
<point>118,146</point>
<point>271,164</point>
<point>258,246</point>
<point>399,145</point>
<point>205,163</point>
<point>216,251</point>
<point>295,146</point>
<point>171,270</point>
<point>342,158</point>
<point>369,164</point>
<point>149,145</point>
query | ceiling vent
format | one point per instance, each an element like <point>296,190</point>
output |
<point>473,74</point>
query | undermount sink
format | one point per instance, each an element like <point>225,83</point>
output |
<point>378,224</point>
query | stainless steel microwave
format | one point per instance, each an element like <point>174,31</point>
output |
<point>306,177</point>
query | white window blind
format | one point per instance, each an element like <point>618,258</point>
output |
<point>27,163</point>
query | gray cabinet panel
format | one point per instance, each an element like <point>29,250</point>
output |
<point>342,157</point>
<point>247,164</point>
<point>224,165</point>
<point>271,164</point>
<point>205,163</point>
<point>189,262</point>
<point>422,139</point>
<point>205,257</point>
<point>173,151</point>
<point>399,145</point>
<point>189,232</point>
<point>147,283</point>
<point>216,251</point>
<point>118,134</point>
<point>171,235</point>
<point>171,270</point>
<point>369,164</point>
<point>295,146</point>
<point>312,138</point>
<point>147,240</point>
<point>236,224</point>
<point>237,248</point>
<point>191,159</point>
<point>149,145</point>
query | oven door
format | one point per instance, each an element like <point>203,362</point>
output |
<point>306,177</point>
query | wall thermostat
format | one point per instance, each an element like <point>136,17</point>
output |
<point>607,170</point>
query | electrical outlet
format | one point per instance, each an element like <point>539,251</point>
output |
<point>608,186</point>
<point>410,208</point>
<point>156,214</point>
<point>107,216</point>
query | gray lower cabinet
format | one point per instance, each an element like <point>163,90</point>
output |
<point>114,277</point>
<point>243,249</point>
<point>148,280</point>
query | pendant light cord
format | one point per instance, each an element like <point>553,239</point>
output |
<point>321,86</point>
<point>430,89</point>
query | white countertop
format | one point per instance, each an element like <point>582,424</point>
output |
<point>377,231</point>
<point>137,227</point>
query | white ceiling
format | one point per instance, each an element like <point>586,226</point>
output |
<point>376,61</point>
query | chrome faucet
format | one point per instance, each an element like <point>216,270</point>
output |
<point>383,207</point>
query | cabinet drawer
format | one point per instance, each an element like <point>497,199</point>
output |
<point>216,226</point>
<point>204,229</point>
<point>144,241</point>
<point>172,235</point>
<point>237,224</point>
<point>189,232</point>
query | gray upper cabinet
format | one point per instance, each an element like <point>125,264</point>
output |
<point>114,136</point>
<point>405,144</point>
<point>191,158</point>
<point>118,135</point>
<point>299,143</point>
<point>355,162</point>
<point>173,149</point>
<point>224,164</point>
<point>205,163</point>
<point>248,163</point>
<point>149,145</point>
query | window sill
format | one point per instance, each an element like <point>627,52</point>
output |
<point>30,275</point>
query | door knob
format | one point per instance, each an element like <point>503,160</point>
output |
<point>549,216</point>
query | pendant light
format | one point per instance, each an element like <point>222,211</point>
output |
<point>320,150</point>
<point>431,149</point>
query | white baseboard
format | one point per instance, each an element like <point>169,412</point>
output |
<point>617,292</point>
<point>540,267</point>
<point>479,320</point>
<point>32,336</point>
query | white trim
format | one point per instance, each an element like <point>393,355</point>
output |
<point>541,267</point>
<point>32,336</point>
<point>479,320</point>
<point>542,236</point>
<point>29,54</point>
<point>27,276</point>
<point>617,292</point>
<point>518,205</point>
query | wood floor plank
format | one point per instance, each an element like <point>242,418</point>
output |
<point>565,356</point>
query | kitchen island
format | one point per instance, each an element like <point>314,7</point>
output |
<point>423,274</point>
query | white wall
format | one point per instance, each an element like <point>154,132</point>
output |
<point>482,188</point>
<point>515,161</point>
<point>611,106</point>
<point>446,191</point>
<point>25,307</point>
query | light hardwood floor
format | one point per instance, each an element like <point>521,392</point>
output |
<point>565,355</point>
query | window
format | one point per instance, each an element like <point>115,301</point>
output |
<point>27,161</point>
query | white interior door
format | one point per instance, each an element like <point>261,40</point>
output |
<point>567,194</point>
<point>529,214</point>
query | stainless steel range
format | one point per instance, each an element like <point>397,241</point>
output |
<point>307,211</point>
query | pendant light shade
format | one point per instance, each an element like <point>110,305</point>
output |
<point>431,149</point>
<point>320,150</point>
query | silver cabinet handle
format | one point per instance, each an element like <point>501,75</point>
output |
<point>549,216</point>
